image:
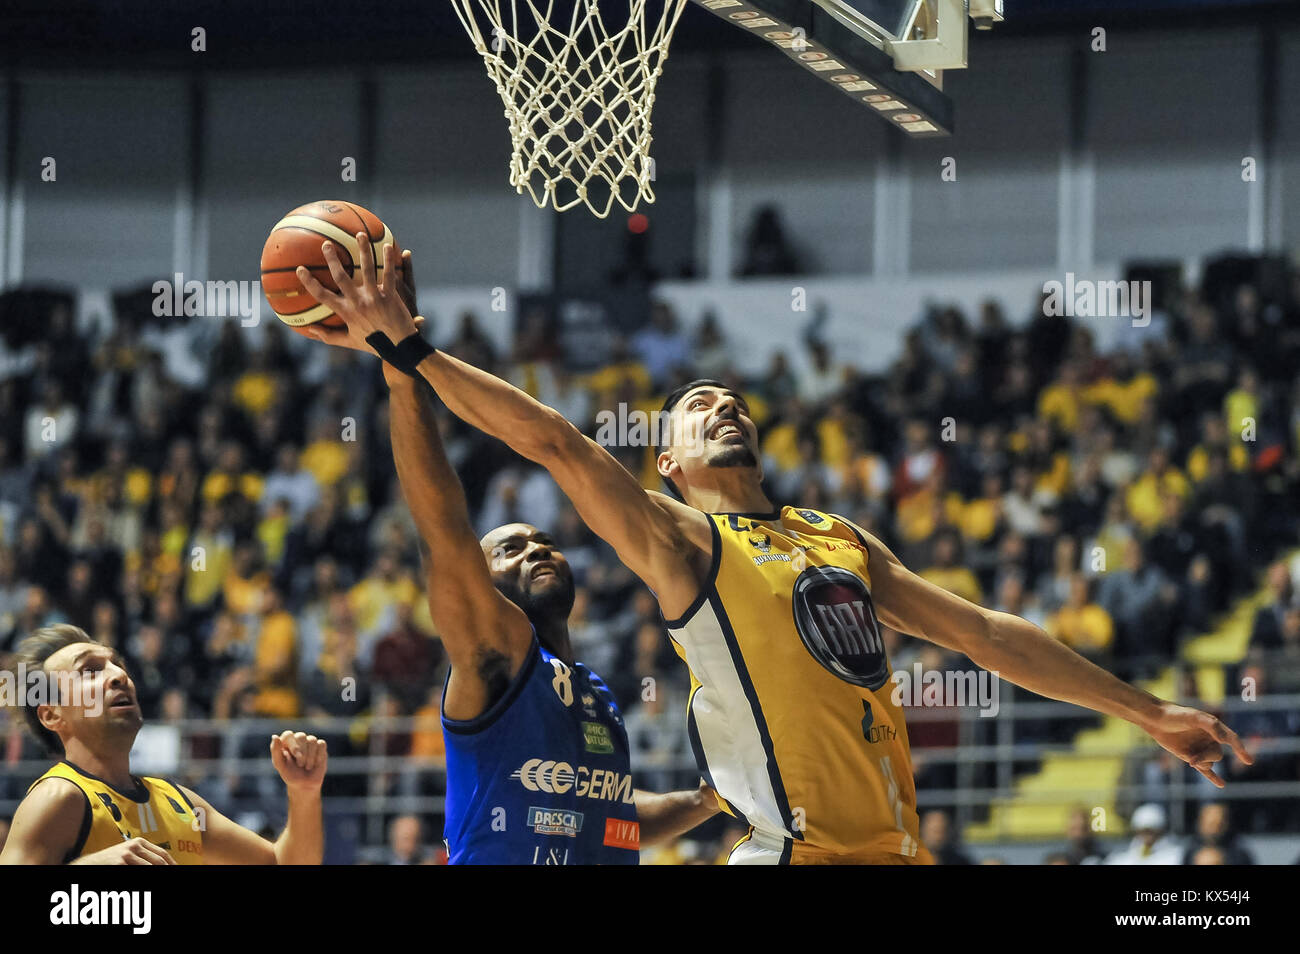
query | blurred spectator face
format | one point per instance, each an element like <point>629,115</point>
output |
<point>53,394</point>
<point>386,566</point>
<point>231,458</point>
<point>105,616</point>
<point>6,564</point>
<point>1065,554</point>
<point>945,550</point>
<point>1076,828</point>
<point>404,836</point>
<point>1212,823</point>
<point>1291,627</point>
<point>917,436</point>
<point>1012,592</point>
<point>1279,582</point>
<point>174,705</point>
<point>992,486</point>
<point>286,459</point>
<point>245,559</point>
<point>1133,554</point>
<point>167,609</point>
<point>1213,429</point>
<point>1078,591</point>
<point>935,830</point>
<point>210,519</point>
<point>1208,855</point>
<point>79,577</point>
<point>1022,481</point>
<point>150,640</point>
<point>326,574</point>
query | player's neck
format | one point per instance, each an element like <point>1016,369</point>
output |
<point>553,634</point>
<point>734,492</point>
<point>114,767</point>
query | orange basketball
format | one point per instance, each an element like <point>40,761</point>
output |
<point>296,240</point>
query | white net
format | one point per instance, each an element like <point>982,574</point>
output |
<point>578,89</point>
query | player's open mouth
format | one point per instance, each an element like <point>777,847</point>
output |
<point>123,701</point>
<point>727,429</point>
<point>546,569</point>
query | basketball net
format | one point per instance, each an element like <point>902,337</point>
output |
<point>578,94</point>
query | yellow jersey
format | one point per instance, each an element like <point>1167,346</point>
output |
<point>790,714</point>
<point>157,810</point>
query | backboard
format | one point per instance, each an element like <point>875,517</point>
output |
<point>889,55</point>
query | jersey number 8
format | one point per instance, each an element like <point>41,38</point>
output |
<point>561,684</point>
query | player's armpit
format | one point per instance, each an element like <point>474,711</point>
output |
<point>47,825</point>
<point>226,843</point>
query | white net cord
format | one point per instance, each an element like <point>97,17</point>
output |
<point>578,93</point>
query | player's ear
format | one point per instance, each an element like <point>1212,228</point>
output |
<point>666,466</point>
<point>50,718</point>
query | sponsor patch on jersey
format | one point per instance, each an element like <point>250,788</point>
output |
<point>836,621</point>
<point>811,516</point>
<point>771,558</point>
<point>554,821</point>
<point>596,737</point>
<point>622,834</point>
<point>557,778</point>
<point>762,542</point>
<point>589,705</point>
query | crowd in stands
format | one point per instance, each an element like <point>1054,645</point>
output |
<point>220,504</point>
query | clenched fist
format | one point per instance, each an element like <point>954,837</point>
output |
<point>300,759</point>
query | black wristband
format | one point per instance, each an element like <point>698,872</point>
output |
<point>406,355</point>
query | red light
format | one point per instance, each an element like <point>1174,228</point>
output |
<point>637,223</point>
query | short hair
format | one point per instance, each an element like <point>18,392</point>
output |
<point>670,402</point>
<point>33,653</point>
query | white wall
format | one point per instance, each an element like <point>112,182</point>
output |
<point>1170,117</point>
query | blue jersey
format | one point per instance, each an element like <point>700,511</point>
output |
<point>544,776</point>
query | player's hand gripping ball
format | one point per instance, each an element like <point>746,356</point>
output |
<point>296,240</point>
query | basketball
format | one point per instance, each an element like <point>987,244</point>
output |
<point>296,240</point>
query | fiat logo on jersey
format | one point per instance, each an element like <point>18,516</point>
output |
<point>836,620</point>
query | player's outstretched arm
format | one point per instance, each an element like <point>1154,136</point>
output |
<point>487,637</point>
<point>301,760</point>
<point>1022,653</point>
<point>46,826</point>
<point>664,816</point>
<point>663,546</point>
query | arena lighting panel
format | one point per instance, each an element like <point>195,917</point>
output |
<point>888,55</point>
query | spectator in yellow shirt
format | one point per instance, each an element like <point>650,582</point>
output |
<point>229,477</point>
<point>944,571</point>
<point>1059,402</point>
<point>246,582</point>
<point>275,660</point>
<point>1081,624</point>
<point>374,600</point>
<point>1144,496</point>
<point>207,559</point>
<point>1241,406</point>
<point>1214,436</point>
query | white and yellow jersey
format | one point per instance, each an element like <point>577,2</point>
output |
<point>790,714</point>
